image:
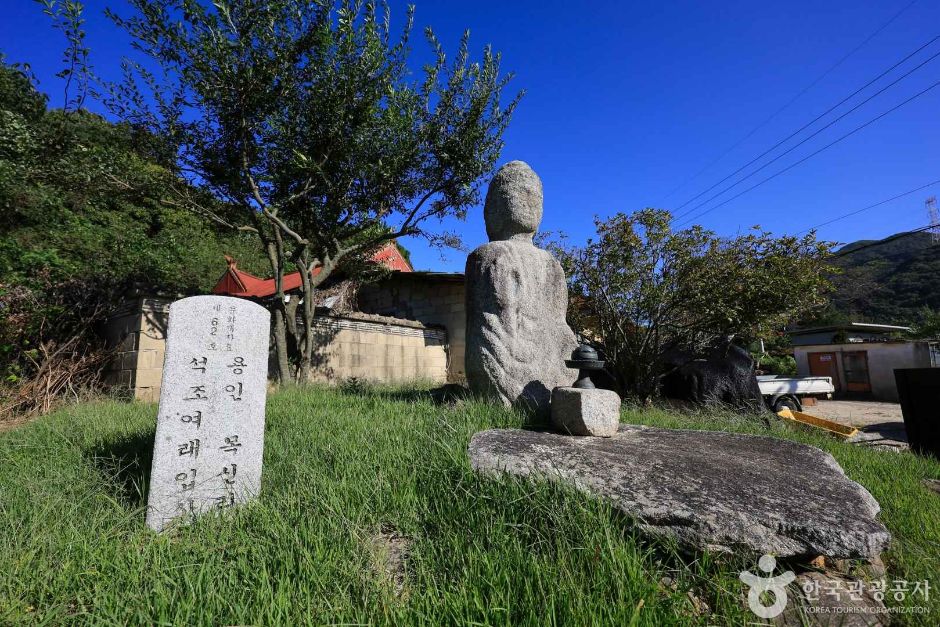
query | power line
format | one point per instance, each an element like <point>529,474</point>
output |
<point>885,240</point>
<point>792,100</point>
<point>810,136</point>
<point>817,118</point>
<point>877,204</point>
<point>812,154</point>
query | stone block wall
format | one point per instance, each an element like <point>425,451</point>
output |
<point>367,347</point>
<point>431,298</point>
<point>138,332</point>
<point>380,350</point>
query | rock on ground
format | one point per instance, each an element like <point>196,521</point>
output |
<point>708,490</point>
<point>590,412</point>
<point>724,374</point>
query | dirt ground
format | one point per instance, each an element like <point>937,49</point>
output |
<point>881,424</point>
<point>857,413</point>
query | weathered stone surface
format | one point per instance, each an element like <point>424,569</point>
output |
<point>721,491</point>
<point>513,207</point>
<point>578,411</point>
<point>210,426</point>
<point>517,338</point>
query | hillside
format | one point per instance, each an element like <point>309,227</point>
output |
<point>888,283</point>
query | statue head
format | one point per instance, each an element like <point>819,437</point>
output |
<point>513,208</point>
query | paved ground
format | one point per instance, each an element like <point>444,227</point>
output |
<point>881,424</point>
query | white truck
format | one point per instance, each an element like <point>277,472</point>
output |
<point>786,392</point>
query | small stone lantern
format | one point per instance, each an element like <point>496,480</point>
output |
<point>583,409</point>
<point>586,360</point>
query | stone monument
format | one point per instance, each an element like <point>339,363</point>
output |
<point>517,299</point>
<point>210,426</point>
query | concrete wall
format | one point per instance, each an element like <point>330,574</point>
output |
<point>138,332</point>
<point>883,358</point>
<point>434,299</point>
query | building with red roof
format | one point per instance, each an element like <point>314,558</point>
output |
<point>235,282</point>
<point>405,326</point>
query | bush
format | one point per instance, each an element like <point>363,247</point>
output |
<point>781,365</point>
<point>643,290</point>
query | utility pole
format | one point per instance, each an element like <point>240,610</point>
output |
<point>934,216</point>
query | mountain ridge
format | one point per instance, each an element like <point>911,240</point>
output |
<point>888,283</point>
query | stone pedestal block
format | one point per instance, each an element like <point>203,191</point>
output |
<point>578,411</point>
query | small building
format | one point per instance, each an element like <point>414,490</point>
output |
<point>433,301</point>
<point>404,327</point>
<point>860,357</point>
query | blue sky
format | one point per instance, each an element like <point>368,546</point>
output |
<point>626,101</point>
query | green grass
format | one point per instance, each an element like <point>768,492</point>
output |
<point>345,472</point>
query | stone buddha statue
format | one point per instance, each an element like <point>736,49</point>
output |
<point>517,298</point>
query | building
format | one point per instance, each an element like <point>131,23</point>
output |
<point>435,299</point>
<point>405,327</point>
<point>860,357</point>
<point>235,282</point>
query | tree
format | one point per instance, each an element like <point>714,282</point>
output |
<point>641,289</point>
<point>79,195</point>
<point>302,118</point>
<point>927,326</point>
<point>81,226</point>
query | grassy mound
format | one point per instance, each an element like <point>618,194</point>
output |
<point>370,513</point>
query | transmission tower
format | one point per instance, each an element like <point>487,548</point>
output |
<point>934,216</point>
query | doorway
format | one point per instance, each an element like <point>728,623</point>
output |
<point>855,365</point>
<point>824,365</point>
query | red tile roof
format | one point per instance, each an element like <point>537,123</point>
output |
<point>390,256</point>
<point>237,282</point>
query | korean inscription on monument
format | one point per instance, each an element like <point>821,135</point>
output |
<point>210,428</point>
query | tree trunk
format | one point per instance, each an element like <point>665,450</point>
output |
<point>280,346</point>
<point>306,340</point>
<point>273,248</point>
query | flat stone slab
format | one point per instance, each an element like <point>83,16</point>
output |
<point>710,490</point>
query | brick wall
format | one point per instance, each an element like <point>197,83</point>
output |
<point>433,299</point>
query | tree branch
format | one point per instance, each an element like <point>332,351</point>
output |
<point>256,194</point>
